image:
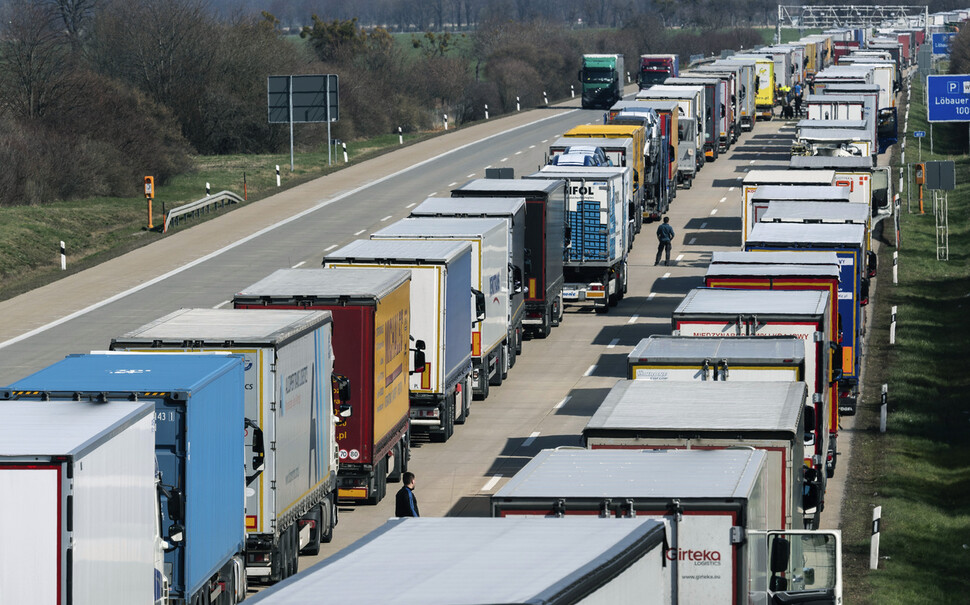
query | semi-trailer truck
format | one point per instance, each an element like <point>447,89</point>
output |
<point>291,449</point>
<point>199,428</point>
<point>867,183</point>
<point>441,319</point>
<point>371,310</point>
<point>749,358</point>
<point>758,178</point>
<point>602,78</point>
<point>78,513</point>
<point>654,69</point>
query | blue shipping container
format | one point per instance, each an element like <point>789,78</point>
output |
<point>198,409</point>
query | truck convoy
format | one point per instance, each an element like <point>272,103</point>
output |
<point>602,78</point>
<point>371,330</point>
<point>198,512</point>
<point>291,450</point>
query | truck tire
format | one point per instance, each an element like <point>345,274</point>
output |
<point>447,429</point>
<point>500,371</point>
<point>397,470</point>
<point>328,519</point>
<point>514,348</point>
<point>378,482</point>
<point>519,337</point>
<point>313,548</point>
<point>508,353</point>
<point>294,549</point>
<point>546,326</point>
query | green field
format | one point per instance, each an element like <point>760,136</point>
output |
<point>919,470</point>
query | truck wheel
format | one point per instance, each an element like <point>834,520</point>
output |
<point>604,308</point>
<point>447,429</point>
<point>377,482</point>
<point>546,326</point>
<point>294,549</point>
<point>513,348</point>
<point>328,519</point>
<point>397,470</point>
<point>500,371</point>
<point>519,336</point>
<point>461,410</point>
<point>313,548</point>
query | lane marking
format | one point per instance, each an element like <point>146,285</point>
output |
<point>491,483</point>
<point>487,167</point>
<point>679,258</point>
<point>723,199</point>
<point>702,226</point>
<point>388,217</point>
<point>713,212</point>
<point>432,194</point>
<point>543,140</point>
<point>532,146</point>
<point>245,240</point>
<point>651,295</point>
<point>452,184</point>
<point>613,343</point>
<point>691,242</point>
<point>222,304</point>
<point>752,161</point>
<point>328,249</point>
<point>470,175</point>
<point>303,262</point>
<point>730,188</point>
<point>518,153</point>
<point>411,205</point>
<point>633,319</point>
<point>530,439</point>
<point>590,371</point>
<point>361,231</point>
<point>563,402</point>
<point>665,275</point>
<point>504,160</point>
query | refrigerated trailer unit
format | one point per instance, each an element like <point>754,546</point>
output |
<point>291,449</point>
<point>441,317</point>
<point>371,331</point>
<point>199,429</point>
<point>545,232</point>
<point>746,358</point>
<point>849,243</point>
<point>867,184</point>
<point>490,281</point>
<point>598,234</point>
<point>509,561</point>
<point>767,416</point>
<point>713,503</point>
<point>78,513</point>
<point>512,210</point>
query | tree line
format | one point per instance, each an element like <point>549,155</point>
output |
<point>94,94</point>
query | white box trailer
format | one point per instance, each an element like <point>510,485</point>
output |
<point>691,101</point>
<point>441,316</point>
<point>448,561</point>
<point>867,184</point>
<point>746,358</point>
<point>760,198</point>
<point>746,91</point>
<point>774,257</point>
<point>490,276</point>
<point>758,178</point>
<point>713,501</point>
<point>79,515</point>
<point>883,76</point>
<point>767,416</point>
<point>291,453</point>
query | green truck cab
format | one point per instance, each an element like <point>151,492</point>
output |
<point>602,78</point>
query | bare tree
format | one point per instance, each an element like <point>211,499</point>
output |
<point>76,15</point>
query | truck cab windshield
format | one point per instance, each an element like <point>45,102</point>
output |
<point>597,75</point>
<point>649,78</point>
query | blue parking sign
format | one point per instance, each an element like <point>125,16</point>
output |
<point>948,98</point>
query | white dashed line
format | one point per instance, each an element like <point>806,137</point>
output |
<point>386,218</point>
<point>491,483</point>
<point>651,295</point>
<point>532,146</point>
<point>487,167</point>
<point>633,319</point>
<point>730,188</point>
<point>504,160</point>
<point>470,175</point>
<point>679,258</point>
<point>544,140</point>
<point>411,205</point>
<point>752,161</point>
<point>222,304</point>
<point>303,262</point>
<point>530,439</point>
<point>665,275</point>
<point>691,242</point>
<point>723,199</point>
<point>330,248</point>
<point>563,402</point>
<point>713,212</point>
<point>452,184</point>
<point>361,231</point>
<point>702,226</point>
<point>590,371</point>
<point>432,194</point>
<point>613,343</point>
<point>518,153</point>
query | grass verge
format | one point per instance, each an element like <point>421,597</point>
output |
<point>919,470</point>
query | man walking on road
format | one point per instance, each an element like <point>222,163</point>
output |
<point>665,235</point>
<point>406,504</point>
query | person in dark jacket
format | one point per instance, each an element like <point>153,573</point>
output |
<point>406,504</point>
<point>665,235</point>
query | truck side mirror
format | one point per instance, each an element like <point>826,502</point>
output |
<point>479,304</point>
<point>873,263</point>
<point>420,362</point>
<point>517,281</point>
<point>864,292</point>
<point>259,451</point>
<point>176,533</point>
<point>176,505</point>
<point>780,552</point>
<point>810,498</point>
<point>810,418</point>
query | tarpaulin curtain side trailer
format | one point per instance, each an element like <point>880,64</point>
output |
<point>78,485</point>
<point>371,331</point>
<point>288,396</point>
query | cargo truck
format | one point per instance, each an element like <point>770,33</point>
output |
<point>849,243</point>
<point>823,385</point>
<point>597,234</point>
<point>835,213</point>
<point>761,197</point>
<point>510,561</point>
<point>764,84</point>
<point>766,416</point>
<point>731,77</point>
<point>291,451</point>
<point>441,318</point>
<point>678,157</point>
<point>603,78</point>
<point>759,178</point>
<point>78,515</point>
<point>654,69</point>
<point>371,330</point>
<point>653,165</point>
<point>713,503</point>
<point>867,183</point>
<point>512,210</point>
<point>545,232</point>
<point>805,315</point>
<point>490,276</point>
<point>693,103</point>
<point>198,404</point>
<point>747,358</point>
<point>717,114</point>
<point>746,90</point>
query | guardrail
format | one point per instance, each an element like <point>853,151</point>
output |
<point>208,204</point>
